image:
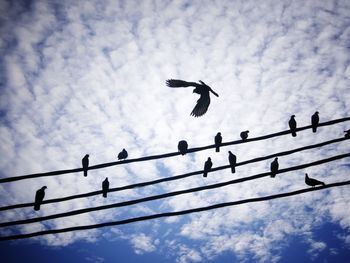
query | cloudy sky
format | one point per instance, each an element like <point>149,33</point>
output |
<point>81,77</point>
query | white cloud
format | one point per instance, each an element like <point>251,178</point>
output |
<point>90,78</point>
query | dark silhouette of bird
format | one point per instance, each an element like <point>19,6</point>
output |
<point>244,135</point>
<point>218,141</point>
<point>39,197</point>
<point>274,167</point>
<point>85,163</point>
<point>207,166</point>
<point>232,160</point>
<point>105,187</point>
<point>347,134</point>
<point>315,119</point>
<point>182,147</point>
<point>293,125</point>
<point>202,89</point>
<point>312,182</point>
<point>122,155</point>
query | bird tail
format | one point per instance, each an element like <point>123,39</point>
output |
<point>314,128</point>
<point>85,173</point>
<point>272,175</point>
<point>205,174</point>
<point>217,149</point>
<point>233,169</point>
<point>104,194</point>
<point>36,206</point>
<point>294,134</point>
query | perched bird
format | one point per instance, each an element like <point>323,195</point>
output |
<point>312,182</point>
<point>202,89</point>
<point>39,197</point>
<point>244,135</point>
<point>293,125</point>
<point>315,119</point>
<point>207,166</point>
<point>274,167</point>
<point>85,163</point>
<point>122,155</point>
<point>347,133</point>
<point>218,141</point>
<point>232,159</point>
<point>105,187</point>
<point>182,147</point>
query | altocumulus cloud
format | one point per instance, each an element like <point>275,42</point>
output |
<point>89,77</point>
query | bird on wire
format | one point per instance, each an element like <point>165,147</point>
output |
<point>218,141</point>
<point>232,160</point>
<point>122,155</point>
<point>182,147</point>
<point>105,187</point>
<point>293,125</point>
<point>39,197</point>
<point>85,163</point>
<point>207,166</point>
<point>274,167</point>
<point>200,88</point>
<point>244,135</point>
<point>315,119</point>
<point>312,182</point>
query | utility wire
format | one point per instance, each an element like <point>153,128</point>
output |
<point>159,156</point>
<point>168,214</point>
<point>170,194</point>
<point>177,177</point>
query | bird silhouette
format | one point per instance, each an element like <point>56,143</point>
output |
<point>182,147</point>
<point>202,89</point>
<point>312,182</point>
<point>85,163</point>
<point>218,141</point>
<point>293,125</point>
<point>232,160</point>
<point>347,134</point>
<point>105,187</point>
<point>207,166</point>
<point>315,119</point>
<point>274,167</point>
<point>122,155</point>
<point>244,135</point>
<point>39,197</point>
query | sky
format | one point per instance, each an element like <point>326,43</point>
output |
<point>80,77</point>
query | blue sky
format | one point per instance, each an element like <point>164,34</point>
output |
<point>89,77</point>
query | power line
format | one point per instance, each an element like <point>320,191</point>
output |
<point>170,194</point>
<point>168,214</point>
<point>166,155</point>
<point>177,177</point>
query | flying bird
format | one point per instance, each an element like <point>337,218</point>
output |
<point>39,197</point>
<point>232,160</point>
<point>207,166</point>
<point>274,167</point>
<point>218,141</point>
<point>202,89</point>
<point>182,147</point>
<point>315,119</point>
<point>122,155</point>
<point>105,187</point>
<point>312,182</point>
<point>293,125</point>
<point>244,135</point>
<point>347,134</point>
<point>85,163</point>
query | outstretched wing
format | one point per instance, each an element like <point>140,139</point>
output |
<point>201,106</point>
<point>177,83</point>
